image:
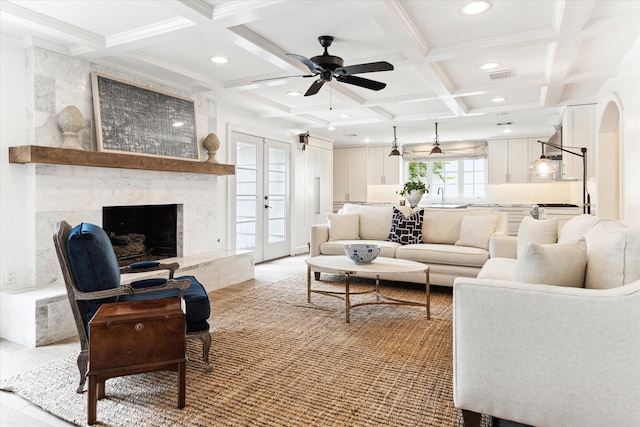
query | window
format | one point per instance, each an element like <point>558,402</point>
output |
<point>456,179</point>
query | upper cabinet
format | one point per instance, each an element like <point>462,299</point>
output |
<point>508,161</point>
<point>578,130</point>
<point>350,174</point>
<point>382,169</point>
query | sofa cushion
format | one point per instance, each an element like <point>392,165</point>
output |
<point>560,264</point>
<point>343,226</point>
<point>613,254</point>
<point>374,220</point>
<point>476,230</point>
<point>577,227</point>
<point>406,230</point>
<point>536,231</point>
<point>443,254</point>
<point>443,225</point>
<point>498,269</point>
<point>336,247</point>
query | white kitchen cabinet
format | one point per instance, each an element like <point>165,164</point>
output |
<point>508,161</point>
<point>350,174</point>
<point>319,184</point>
<point>382,169</point>
<point>578,130</point>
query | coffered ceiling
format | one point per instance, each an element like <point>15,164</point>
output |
<point>551,54</point>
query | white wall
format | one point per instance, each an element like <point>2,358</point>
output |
<point>12,183</point>
<point>626,88</point>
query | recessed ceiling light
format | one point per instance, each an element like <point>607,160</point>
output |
<point>344,116</point>
<point>475,7</point>
<point>293,93</point>
<point>331,128</point>
<point>499,99</point>
<point>219,59</point>
<point>489,66</point>
<point>367,140</point>
<point>507,131</point>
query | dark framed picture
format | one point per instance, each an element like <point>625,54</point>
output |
<point>138,120</point>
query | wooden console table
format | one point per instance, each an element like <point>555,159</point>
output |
<point>132,338</point>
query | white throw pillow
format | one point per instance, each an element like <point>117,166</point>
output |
<point>536,231</point>
<point>374,220</point>
<point>344,226</point>
<point>476,231</point>
<point>560,264</point>
<point>577,227</point>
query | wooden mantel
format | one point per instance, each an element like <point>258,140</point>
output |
<point>65,156</point>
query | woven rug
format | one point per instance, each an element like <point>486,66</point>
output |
<point>279,361</point>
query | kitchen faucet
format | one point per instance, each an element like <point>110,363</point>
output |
<point>441,191</point>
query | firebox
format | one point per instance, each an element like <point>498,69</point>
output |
<point>142,232</point>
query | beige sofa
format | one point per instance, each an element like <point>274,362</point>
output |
<point>454,242</point>
<point>549,334</point>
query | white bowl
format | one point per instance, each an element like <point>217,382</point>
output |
<point>361,253</point>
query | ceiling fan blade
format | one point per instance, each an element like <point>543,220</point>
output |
<point>314,88</point>
<point>313,67</point>
<point>362,82</point>
<point>370,67</point>
<point>283,77</point>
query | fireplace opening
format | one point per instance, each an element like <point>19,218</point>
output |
<point>142,232</point>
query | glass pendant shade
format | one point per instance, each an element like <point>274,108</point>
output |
<point>543,167</point>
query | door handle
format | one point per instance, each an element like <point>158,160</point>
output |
<point>267,207</point>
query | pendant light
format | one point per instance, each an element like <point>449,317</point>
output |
<point>436,146</point>
<point>394,146</point>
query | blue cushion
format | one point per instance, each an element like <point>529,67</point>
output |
<point>144,264</point>
<point>93,263</point>
<point>196,301</point>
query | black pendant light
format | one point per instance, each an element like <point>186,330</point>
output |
<point>436,146</point>
<point>394,146</point>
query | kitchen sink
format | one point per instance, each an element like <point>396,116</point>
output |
<point>445,206</point>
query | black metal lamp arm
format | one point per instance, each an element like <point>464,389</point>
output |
<point>586,198</point>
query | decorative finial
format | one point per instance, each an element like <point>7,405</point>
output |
<point>212,144</point>
<point>71,122</point>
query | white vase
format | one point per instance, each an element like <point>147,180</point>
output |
<point>414,197</point>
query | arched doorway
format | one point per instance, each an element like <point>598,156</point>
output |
<point>608,166</point>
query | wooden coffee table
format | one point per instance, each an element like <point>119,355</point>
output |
<point>381,265</point>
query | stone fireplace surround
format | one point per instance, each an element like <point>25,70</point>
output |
<point>77,194</point>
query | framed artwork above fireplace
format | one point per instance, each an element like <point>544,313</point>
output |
<point>138,120</point>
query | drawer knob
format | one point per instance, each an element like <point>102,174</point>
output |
<point>139,327</point>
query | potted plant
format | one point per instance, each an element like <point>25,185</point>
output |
<point>415,188</point>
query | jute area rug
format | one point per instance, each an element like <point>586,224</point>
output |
<point>279,361</point>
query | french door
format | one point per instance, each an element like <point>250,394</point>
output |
<point>262,196</point>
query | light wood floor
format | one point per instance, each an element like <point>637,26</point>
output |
<point>16,358</point>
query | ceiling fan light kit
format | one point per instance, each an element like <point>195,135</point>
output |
<point>327,66</point>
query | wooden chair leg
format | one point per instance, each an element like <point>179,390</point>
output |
<point>83,364</point>
<point>471,419</point>
<point>205,338</point>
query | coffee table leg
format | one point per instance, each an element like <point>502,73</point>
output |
<point>428,289</point>
<point>308,284</point>
<point>346,296</point>
<point>377,287</point>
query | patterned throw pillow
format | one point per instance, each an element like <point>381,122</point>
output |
<point>406,230</point>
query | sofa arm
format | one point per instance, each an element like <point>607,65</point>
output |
<point>547,355</point>
<point>502,246</point>
<point>319,235</point>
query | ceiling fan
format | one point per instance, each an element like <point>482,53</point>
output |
<point>329,66</point>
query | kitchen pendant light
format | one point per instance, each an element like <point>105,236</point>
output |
<point>394,146</point>
<point>436,146</point>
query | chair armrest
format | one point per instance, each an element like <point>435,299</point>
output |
<point>319,235</point>
<point>127,289</point>
<point>502,246</point>
<point>547,355</point>
<point>143,267</point>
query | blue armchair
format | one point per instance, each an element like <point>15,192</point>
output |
<point>92,278</point>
